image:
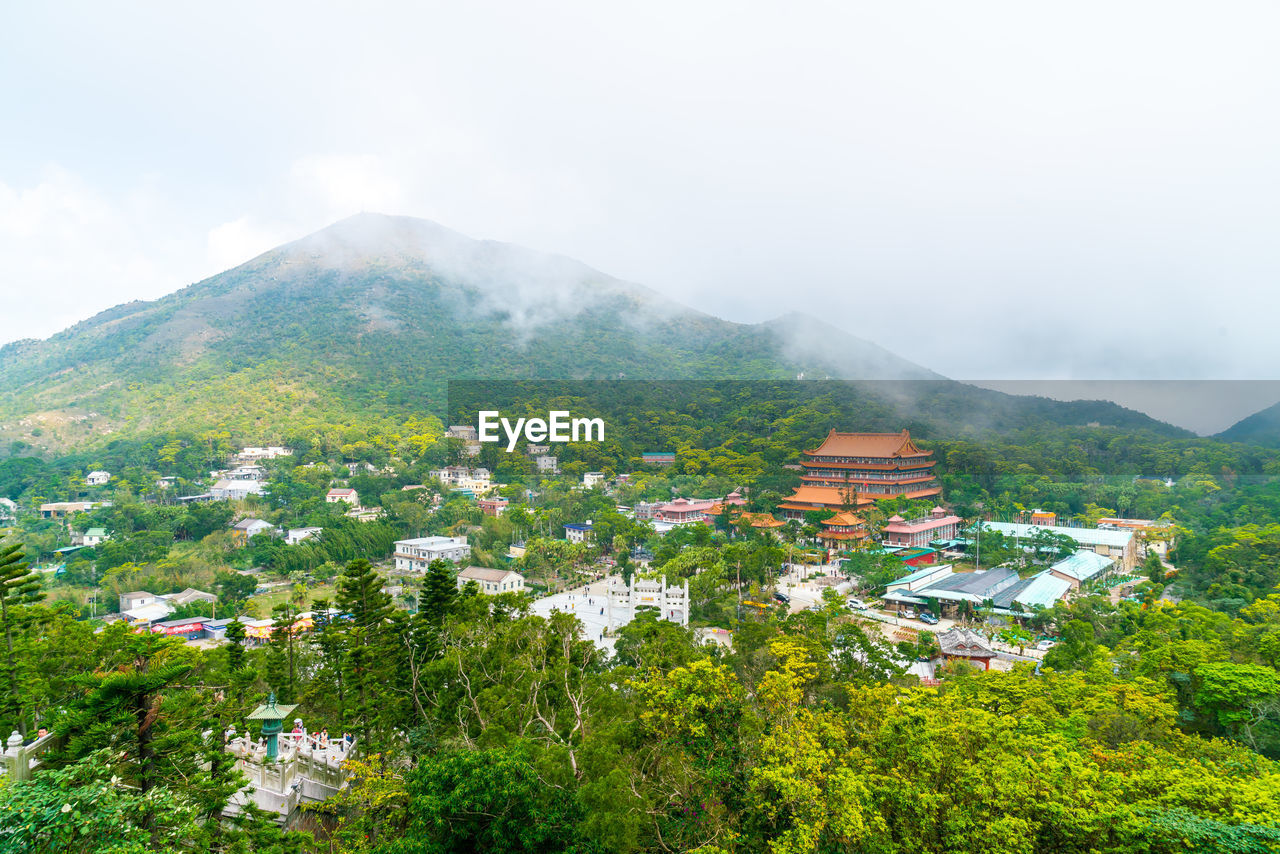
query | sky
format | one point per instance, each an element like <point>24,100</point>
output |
<point>997,190</point>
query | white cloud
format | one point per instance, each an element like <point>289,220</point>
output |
<point>340,185</point>
<point>234,242</point>
<point>67,251</point>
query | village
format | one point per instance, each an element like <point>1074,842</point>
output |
<point>942,602</point>
<point>828,524</point>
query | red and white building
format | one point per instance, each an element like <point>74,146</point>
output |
<point>344,495</point>
<point>686,511</point>
<point>918,533</point>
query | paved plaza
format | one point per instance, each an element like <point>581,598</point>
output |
<point>586,603</point>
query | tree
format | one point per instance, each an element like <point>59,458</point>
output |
<point>360,595</point>
<point>83,809</point>
<point>19,588</point>
<point>441,590</point>
<point>1076,650</point>
<point>485,800</point>
<point>122,710</point>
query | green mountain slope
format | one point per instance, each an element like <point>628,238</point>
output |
<point>370,316</point>
<point>1260,428</point>
<point>373,315</point>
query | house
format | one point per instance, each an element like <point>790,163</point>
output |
<point>493,506</point>
<point>365,514</point>
<point>492,581</point>
<point>684,511</point>
<point>658,458</point>
<point>91,537</point>
<point>137,598</point>
<point>8,509</point>
<point>547,464</point>
<point>1110,542</point>
<point>228,489</point>
<point>342,494</point>
<point>143,607</point>
<point>465,432</point>
<point>966,645</point>
<point>477,480</point>
<point>59,509</point>
<point>149,613</point>
<point>246,529</point>
<point>416,555</point>
<point>576,532</point>
<point>937,526</point>
<point>268,453</point>
<point>591,478</point>
<point>1043,517</point>
<point>97,478</point>
<point>1027,596</point>
<point>1083,569</point>
<point>297,535</point>
<point>188,596</point>
<point>1000,589</point>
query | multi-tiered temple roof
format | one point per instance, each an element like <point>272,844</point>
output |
<point>855,469</point>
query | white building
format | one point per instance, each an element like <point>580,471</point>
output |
<point>592,478</point>
<point>1118,544</point>
<point>247,529</point>
<point>268,453</point>
<point>416,555</point>
<point>236,490</point>
<point>578,533</point>
<point>478,480</point>
<point>97,478</point>
<point>492,581</point>
<point>91,537</point>
<point>350,496</point>
<point>547,464</point>
<point>297,535</point>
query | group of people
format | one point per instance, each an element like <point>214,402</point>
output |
<point>322,741</point>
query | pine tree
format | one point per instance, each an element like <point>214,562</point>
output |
<point>282,655</point>
<point>19,587</point>
<point>439,594</point>
<point>360,595</point>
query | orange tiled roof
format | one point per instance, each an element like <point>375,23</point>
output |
<point>881,445</point>
<point>844,519</point>
<point>827,496</point>
<point>762,520</point>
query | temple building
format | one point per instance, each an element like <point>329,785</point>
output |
<point>850,470</point>
<point>842,530</point>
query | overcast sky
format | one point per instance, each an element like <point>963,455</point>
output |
<point>995,190</point>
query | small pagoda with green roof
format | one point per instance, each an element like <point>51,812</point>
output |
<point>272,717</point>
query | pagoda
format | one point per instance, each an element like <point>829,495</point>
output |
<point>842,530</point>
<point>851,470</point>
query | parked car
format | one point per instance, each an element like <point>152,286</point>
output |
<point>928,618</point>
<point>857,604</point>
<point>1045,645</point>
<point>782,597</point>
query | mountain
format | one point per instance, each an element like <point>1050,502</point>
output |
<point>1260,428</point>
<point>373,315</point>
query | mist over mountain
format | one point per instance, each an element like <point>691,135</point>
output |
<point>374,314</point>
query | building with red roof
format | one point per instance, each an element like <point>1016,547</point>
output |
<point>938,525</point>
<point>850,470</point>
